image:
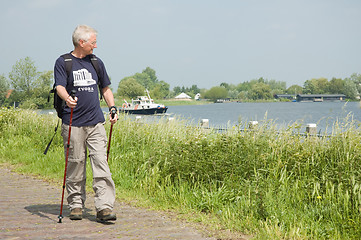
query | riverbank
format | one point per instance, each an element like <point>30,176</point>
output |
<point>269,184</point>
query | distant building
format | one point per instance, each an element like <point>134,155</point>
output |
<point>197,97</point>
<point>320,97</point>
<point>287,96</point>
<point>183,96</point>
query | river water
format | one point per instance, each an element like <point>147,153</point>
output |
<point>221,115</point>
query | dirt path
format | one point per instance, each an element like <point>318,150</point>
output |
<point>29,209</point>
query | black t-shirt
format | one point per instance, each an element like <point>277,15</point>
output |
<point>84,80</point>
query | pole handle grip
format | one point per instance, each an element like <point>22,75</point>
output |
<point>113,112</point>
<point>72,93</point>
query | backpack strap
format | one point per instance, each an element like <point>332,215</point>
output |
<point>47,147</point>
<point>68,63</point>
<point>95,64</point>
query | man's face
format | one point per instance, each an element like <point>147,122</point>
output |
<point>88,46</point>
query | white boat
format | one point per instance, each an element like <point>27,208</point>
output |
<point>143,105</point>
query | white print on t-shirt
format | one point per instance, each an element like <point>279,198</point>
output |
<point>83,78</point>
<point>85,89</point>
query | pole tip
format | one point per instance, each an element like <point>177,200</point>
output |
<point>60,218</point>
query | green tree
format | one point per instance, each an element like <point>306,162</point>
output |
<point>277,91</point>
<point>147,78</point>
<point>309,87</point>
<point>23,77</point>
<point>38,96</point>
<point>41,90</point>
<point>350,89</point>
<point>277,86</point>
<point>294,89</point>
<point>242,95</point>
<point>260,91</point>
<point>225,85</point>
<point>160,91</point>
<point>260,80</point>
<point>336,85</point>
<point>244,87</point>
<point>130,88</point>
<point>316,86</point>
<point>194,89</point>
<point>247,86</point>
<point>4,87</point>
<point>233,93</point>
<point>144,80</point>
<point>216,93</point>
<point>152,75</point>
<point>43,84</point>
<point>356,78</point>
<point>232,90</point>
<point>177,90</point>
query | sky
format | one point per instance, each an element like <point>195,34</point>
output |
<point>192,42</point>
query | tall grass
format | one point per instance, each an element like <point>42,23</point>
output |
<point>271,184</point>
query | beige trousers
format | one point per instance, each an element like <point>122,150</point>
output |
<point>94,139</point>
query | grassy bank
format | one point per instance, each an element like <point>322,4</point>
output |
<point>271,185</point>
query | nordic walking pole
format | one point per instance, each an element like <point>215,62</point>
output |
<point>72,94</point>
<point>113,112</point>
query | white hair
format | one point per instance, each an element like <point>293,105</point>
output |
<point>83,32</point>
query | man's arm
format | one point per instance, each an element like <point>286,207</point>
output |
<point>109,99</point>
<point>63,94</point>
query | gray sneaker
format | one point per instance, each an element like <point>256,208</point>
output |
<point>106,215</point>
<point>76,214</point>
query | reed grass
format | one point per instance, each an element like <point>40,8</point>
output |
<point>268,183</point>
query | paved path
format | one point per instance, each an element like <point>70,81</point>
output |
<point>29,209</point>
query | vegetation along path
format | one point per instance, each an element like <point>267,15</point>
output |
<point>30,209</point>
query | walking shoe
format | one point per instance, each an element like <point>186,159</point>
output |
<point>106,215</point>
<point>76,214</point>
